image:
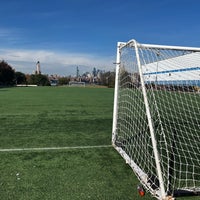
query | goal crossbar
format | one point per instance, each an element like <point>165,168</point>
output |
<point>131,43</point>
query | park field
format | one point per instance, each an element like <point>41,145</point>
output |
<point>56,144</point>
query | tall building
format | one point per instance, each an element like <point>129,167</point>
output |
<point>38,70</point>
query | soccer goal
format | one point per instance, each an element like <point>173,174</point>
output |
<point>156,117</point>
<point>76,84</point>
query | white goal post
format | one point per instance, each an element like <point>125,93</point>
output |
<point>156,116</point>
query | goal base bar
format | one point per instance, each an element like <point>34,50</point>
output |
<point>182,192</point>
<point>142,176</point>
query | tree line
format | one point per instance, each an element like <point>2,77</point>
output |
<point>9,77</point>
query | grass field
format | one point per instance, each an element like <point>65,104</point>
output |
<point>61,117</point>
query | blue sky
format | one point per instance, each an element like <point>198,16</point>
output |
<point>63,34</point>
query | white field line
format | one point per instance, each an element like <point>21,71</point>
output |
<point>54,148</point>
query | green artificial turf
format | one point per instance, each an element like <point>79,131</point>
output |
<point>61,117</point>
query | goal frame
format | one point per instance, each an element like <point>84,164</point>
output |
<point>76,84</point>
<point>161,193</point>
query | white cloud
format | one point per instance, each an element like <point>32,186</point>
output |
<point>54,62</point>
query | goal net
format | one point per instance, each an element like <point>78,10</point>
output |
<point>156,118</point>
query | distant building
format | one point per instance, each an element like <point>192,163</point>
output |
<point>38,70</point>
<point>53,79</point>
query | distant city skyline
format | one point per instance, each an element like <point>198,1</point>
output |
<point>85,33</point>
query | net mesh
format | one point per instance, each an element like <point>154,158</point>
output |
<point>172,84</point>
